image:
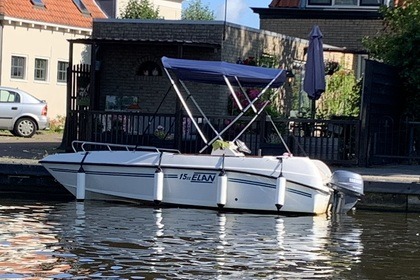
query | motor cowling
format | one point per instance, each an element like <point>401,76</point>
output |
<point>348,188</point>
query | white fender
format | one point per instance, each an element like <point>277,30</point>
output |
<point>158,187</point>
<point>280,192</point>
<point>222,189</point>
<point>80,184</point>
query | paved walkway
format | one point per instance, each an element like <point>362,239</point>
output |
<point>21,150</point>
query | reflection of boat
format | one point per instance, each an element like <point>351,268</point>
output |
<point>177,243</point>
<point>225,178</point>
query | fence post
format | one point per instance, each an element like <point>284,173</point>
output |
<point>263,128</point>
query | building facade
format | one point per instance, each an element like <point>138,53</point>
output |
<point>34,48</point>
<point>168,9</point>
<point>344,23</point>
<point>129,53</point>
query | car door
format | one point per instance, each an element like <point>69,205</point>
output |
<point>10,108</point>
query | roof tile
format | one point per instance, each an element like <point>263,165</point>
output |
<point>62,12</point>
<point>284,4</point>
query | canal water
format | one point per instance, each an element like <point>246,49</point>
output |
<point>98,240</point>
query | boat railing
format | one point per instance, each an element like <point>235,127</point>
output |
<point>85,146</point>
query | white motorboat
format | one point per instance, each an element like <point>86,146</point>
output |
<point>225,179</point>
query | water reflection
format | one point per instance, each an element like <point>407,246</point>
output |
<point>102,240</point>
<point>27,242</point>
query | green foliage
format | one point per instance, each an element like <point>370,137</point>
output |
<point>271,95</point>
<point>196,10</point>
<point>269,61</point>
<point>342,96</point>
<point>57,124</point>
<point>398,45</point>
<point>139,9</point>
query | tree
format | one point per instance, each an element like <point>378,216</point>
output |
<point>197,11</point>
<point>141,9</point>
<point>398,45</point>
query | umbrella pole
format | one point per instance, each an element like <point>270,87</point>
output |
<point>313,109</point>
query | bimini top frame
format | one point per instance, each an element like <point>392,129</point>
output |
<point>222,73</point>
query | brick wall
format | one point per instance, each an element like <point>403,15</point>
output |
<point>337,32</point>
<point>119,77</point>
<point>242,42</point>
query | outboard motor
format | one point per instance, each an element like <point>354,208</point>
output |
<point>348,188</point>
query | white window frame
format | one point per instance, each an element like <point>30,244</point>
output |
<point>62,72</point>
<point>81,6</point>
<point>359,4</point>
<point>22,67</point>
<point>39,3</point>
<point>44,78</point>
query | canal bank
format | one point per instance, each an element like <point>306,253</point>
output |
<point>21,175</point>
<point>387,188</point>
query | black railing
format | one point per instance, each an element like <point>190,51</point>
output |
<point>333,141</point>
<point>396,142</point>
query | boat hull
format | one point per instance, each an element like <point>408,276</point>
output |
<point>194,180</point>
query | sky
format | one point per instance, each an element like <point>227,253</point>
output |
<point>238,11</point>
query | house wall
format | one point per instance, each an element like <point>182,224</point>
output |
<point>168,9</point>
<point>120,61</point>
<point>242,42</point>
<point>119,77</point>
<point>35,41</point>
<point>337,32</point>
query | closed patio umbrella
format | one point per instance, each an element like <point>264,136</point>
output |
<point>314,82</point>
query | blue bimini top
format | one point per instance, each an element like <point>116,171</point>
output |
<point>213,72</point>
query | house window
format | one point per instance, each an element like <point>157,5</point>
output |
<point>18,67</point>
<point>348,3</point>
<point>41,68</point>
<point>81,6</point>
<point>149,68</point>
<point>62,71</point>
<point>345,2</point>
<point>320,2</point>
<point>38,3</point>
<point>371,2</point>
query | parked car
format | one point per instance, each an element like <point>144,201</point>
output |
<point>22,113</point>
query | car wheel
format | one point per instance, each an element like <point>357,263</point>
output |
<point>25,127</point>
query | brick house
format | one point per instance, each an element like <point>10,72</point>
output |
<point>128,51</point>
<point>34,46</point>
<point>344,23</point>
<point>129,95</point>
<point>127,83</point>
